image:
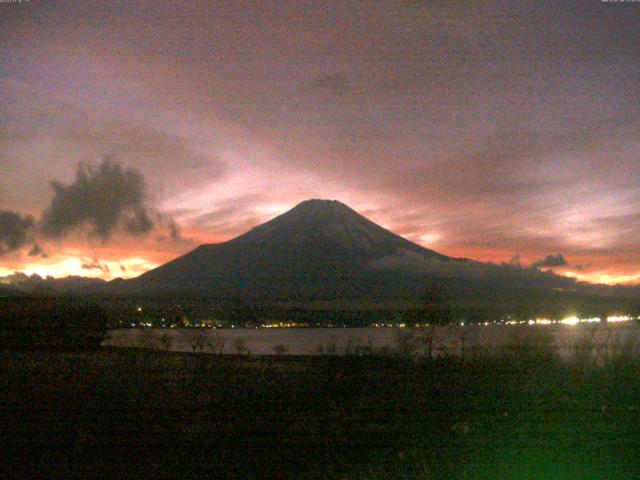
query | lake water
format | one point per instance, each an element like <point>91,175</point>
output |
<point>450,340</point>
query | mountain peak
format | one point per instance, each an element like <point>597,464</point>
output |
<point>317,224</point>
<point>316,205</point>
<point>313,219</point>
<point>320,203</point>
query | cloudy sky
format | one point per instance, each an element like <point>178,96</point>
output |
<point>132,131</point>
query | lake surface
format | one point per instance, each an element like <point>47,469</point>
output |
<point>450,340</point>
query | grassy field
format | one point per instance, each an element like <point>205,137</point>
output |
<point>152,414</point>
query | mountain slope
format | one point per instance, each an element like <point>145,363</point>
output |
<point>324,250</point>
<point>320,248</point>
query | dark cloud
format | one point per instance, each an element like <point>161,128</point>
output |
<point>139,222</point>
<point>106,198</point>
<point>171,230</point>
<point>174,231</point>
<point>36,251</point>
<point>95,264</point>
<point>15,231</point>
<point>557,260</point>
<point>582,266</point>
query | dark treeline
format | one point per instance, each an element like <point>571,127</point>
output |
<point>65,322</point>
<point>435,307</point>
<point>439,303</point>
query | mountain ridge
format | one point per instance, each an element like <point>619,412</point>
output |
<point>318,248</point>
<point>324,250</point>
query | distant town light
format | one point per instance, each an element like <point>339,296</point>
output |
<point>570,321</point>
<point>543,321</point>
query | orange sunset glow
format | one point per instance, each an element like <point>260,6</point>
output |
<point>129,138</point>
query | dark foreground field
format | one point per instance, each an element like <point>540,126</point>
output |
<point>150,414</point>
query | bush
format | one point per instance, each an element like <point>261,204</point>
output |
<point>406,344</point>
<point>585,350</point>
<point>621,350</point>
<point>216,343</point>
<point>532,347</point>
<point>197,340</point>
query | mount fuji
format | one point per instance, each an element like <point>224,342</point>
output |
<point>318,249</point>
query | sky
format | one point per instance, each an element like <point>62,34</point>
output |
<point>130,132</point>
